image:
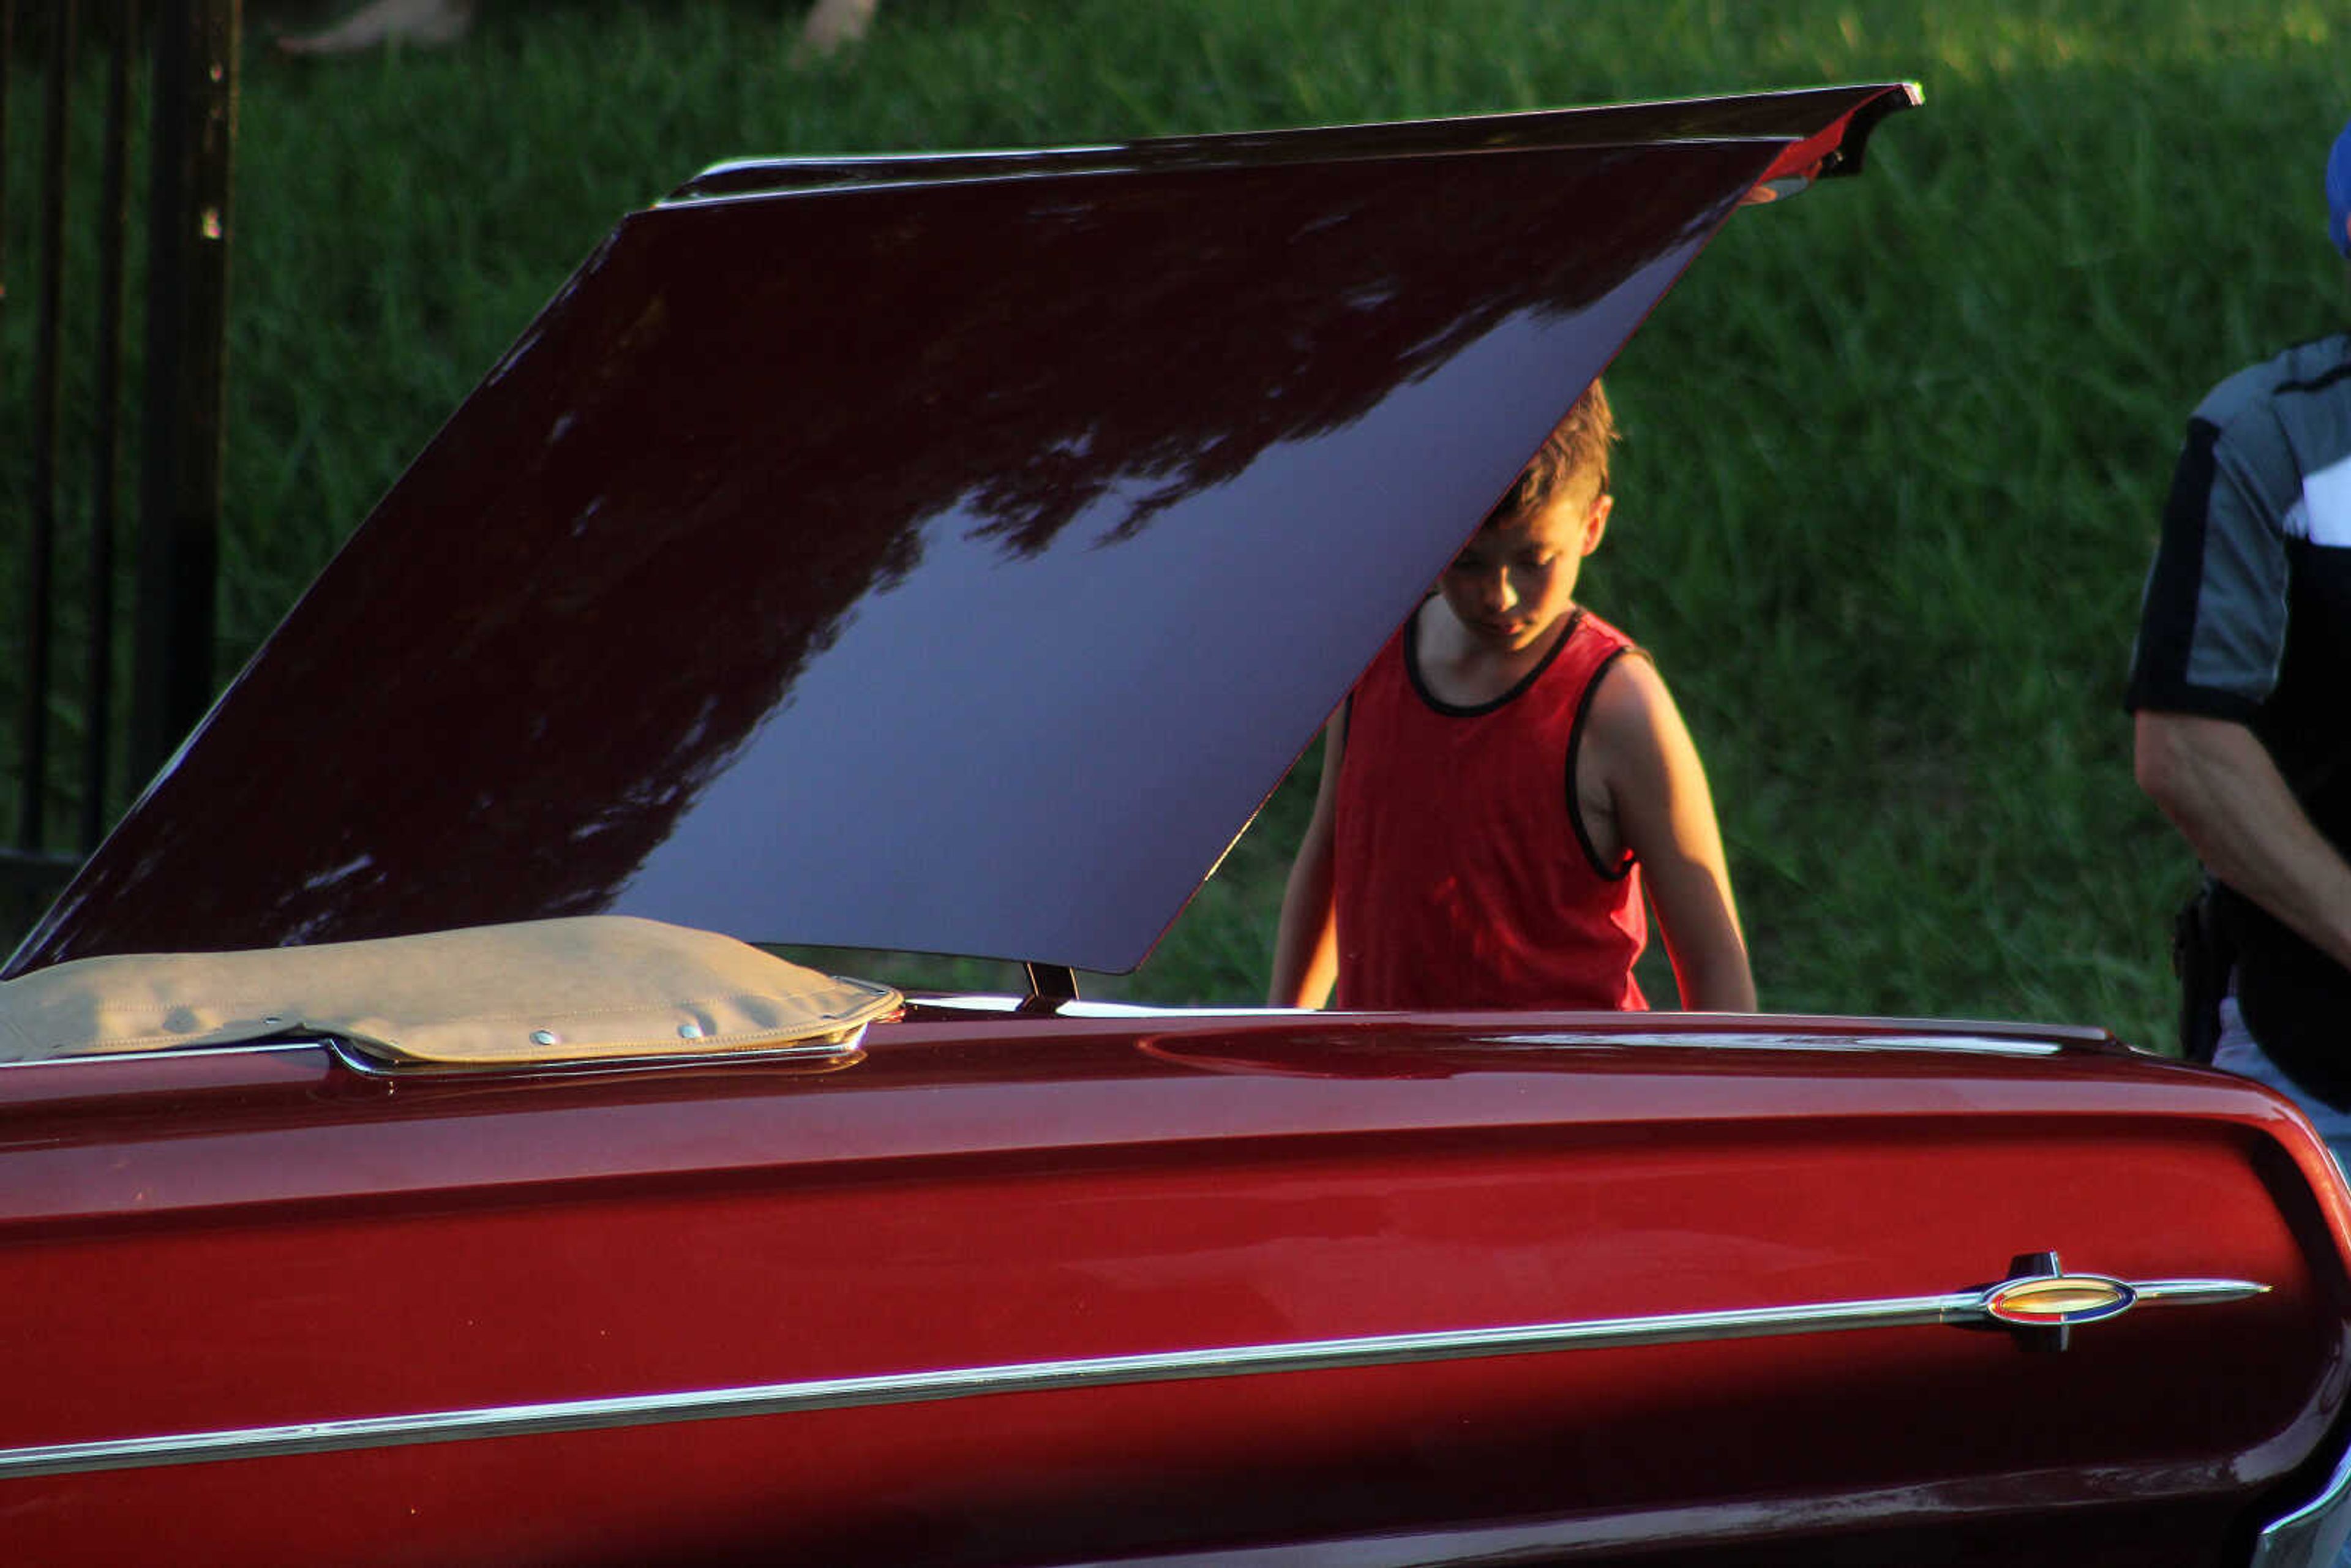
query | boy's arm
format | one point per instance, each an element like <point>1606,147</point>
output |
<point>1665,815</point>
<point>1306,943</point>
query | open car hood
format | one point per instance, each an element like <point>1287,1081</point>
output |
<point>938,554</point>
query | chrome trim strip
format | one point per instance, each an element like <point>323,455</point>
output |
<point>1082,1007</point>
<point>2311,1536</point>
<point>844,1051</point>
<point>1989,1045</point>
<point>861,160</point>
<point>174,1052</point>
<point>1761,1040</point>
<point>1958,1307</point>
<point>1551,1039</point>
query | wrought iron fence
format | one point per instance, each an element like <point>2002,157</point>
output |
<point>88,722</point>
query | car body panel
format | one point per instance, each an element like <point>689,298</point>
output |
<point>350,1246</point>
<point>653,626</point>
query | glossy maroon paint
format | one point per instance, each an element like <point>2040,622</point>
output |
<point>923,561</point>
<point>214,1240</point>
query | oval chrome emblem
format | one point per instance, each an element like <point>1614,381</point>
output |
<point>2059,1299</point>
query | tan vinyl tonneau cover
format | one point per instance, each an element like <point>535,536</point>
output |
<point>589,989</point>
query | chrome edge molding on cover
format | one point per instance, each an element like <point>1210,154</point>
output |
<point>1960,1307</point>
<point>1761,1040</point>
<point>2311,1536</point>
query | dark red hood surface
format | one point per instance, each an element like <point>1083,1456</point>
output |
<point>937,554</point>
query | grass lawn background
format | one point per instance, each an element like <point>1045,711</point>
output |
<point>1895,450</point>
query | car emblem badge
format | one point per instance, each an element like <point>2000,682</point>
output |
<point>2055,1300</point>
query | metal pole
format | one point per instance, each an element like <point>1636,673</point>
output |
<point>114,222</point>
<point>194,136</point>
<point>8,70</point>
<point>48,333</point>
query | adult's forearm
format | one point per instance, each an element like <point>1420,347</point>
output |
<point>2221,788</point>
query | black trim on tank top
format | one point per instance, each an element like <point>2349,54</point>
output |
<point>1455,710</point>
<point>1575,744</point>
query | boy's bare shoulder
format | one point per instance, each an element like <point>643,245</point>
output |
<point>1629,697</point>
<point>1634,732</point>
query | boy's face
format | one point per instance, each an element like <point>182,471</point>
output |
<point>1510,584</point>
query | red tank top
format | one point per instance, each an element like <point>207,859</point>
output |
<point>1463,876</point>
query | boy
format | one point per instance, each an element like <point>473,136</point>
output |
<point>1501,781</point>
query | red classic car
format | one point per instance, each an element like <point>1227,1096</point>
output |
<point>397,1165</point>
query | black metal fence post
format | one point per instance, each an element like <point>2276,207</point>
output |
<point>190,113</point>
<point>113,237</point>
<point>48,334</point>
<point>195,130</point>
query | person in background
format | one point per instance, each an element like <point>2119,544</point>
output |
<point>1501,783</point>
<point>425,24</point>
<point>2241,689</point>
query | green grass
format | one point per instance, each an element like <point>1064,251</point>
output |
<point>1895,450</point>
